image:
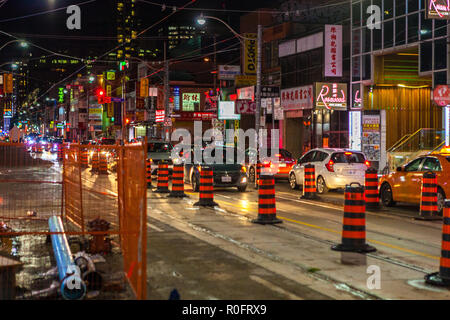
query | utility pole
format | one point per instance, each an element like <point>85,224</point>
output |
<point>215,64</point>
<point>123,109</point>
<point>258,86</point>
<point>166,93</point>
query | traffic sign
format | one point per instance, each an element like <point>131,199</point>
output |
<point>113,99</point>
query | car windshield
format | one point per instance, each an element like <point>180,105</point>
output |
<point>159,147</point>
<point>347,157</point>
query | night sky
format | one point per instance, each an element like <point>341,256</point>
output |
<point>97,23</point>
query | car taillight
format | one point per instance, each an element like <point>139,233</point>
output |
<point>243,169</point>
<point>367,163</point>
<point>329,166</point>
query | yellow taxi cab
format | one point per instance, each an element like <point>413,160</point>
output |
<point>405,184</point>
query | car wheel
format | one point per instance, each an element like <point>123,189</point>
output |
<point>440,201</point>
<point>293,181</point>
<point>242,188</point>
<point>386,195</point>
<point>194,183</point>
<point>321,185</point>
<point>251,175</point>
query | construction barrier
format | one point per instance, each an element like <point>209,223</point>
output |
<point>148,170</point>
<point>163,178</point>
<point>95,161</point>
<point>206,194</point>
<point>266,201</point>
<point>428,200</point>
<point>60,152</point>
<point>309,184</point>
<point>354,222</point>
<point>178,181</point>
<point>103,163</point>
<point>442,278</point>
<point>371,189</point>
<point>80,199</point>
<point>84,158</point>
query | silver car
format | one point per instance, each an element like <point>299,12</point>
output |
<point>334,168</point>
<point>159,152</point>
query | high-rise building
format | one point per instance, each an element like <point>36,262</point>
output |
<point>176,34</point>
<point>127,24</point>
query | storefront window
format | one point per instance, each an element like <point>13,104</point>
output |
<point>440,78</point>
<point>440,28</point>
<point>356,14</point>
<point>400,7</point>
<point>377,42</point>
<point>356,67</point>
<point>426,55</point>
<point>440,54</point>
<point>367,33</point>
<point>367,66</point>
<point>388,9</point>
<point>400,27</point>
<point>413,28</point>
<point>413,5</point>
<point>388,34</point>
<point>426,27</point>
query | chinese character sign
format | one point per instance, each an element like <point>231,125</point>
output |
<point>297,98</point>
<point>333,50</point>
<point>190,100</point>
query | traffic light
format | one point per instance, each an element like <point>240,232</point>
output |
<point>101,96</point>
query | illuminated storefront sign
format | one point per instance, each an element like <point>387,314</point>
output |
<point>190,101</point>
<point>438,9</point>
<point>192,116</point>
<point>330,96</point>
<point>355,130</point>
<point>60,95</point>
<point>159,116</point>
<point>227,112</point>
<point>245,107</point>
<point>297,98</point>
<point>176,98</point>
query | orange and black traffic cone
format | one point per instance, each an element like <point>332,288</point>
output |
<point>354,223</point>
<point>177,181</point>
<point>84,158</point>
<point>267,211</point>
<point>163,178</point>
<point>309,184</point>
<point>206,188</point>
<point>442,278</point>
<point>371,189</point>
<point>103,164</point>
<point>428,200</point>
<point>95,160</point>
<point>148,170</point>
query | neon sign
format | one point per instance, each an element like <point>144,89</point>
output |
<point>438,9</point>
<point>331,96</point>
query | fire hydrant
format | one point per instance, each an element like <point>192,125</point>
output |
<point>99,243</point>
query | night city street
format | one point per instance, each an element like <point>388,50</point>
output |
<point>227,157</point>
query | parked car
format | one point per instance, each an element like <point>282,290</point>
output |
<point>228,175</point>
<point>404,185</point>
<point>159,151</point>
<point>334,168</point>
<point>285,163</point>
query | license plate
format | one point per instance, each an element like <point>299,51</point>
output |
<point>282,165</point>
<point>226,179</point>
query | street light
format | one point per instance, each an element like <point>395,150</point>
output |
<point>23,43</point>
<point>201,20</point>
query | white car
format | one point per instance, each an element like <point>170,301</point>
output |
<point>334,168</point>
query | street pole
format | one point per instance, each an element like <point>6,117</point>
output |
<point>166,93</point>
<point>123,109</point>
<point>215,64</point>
<point>258,86</point>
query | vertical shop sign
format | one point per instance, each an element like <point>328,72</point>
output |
<point>333,50</point>
<point>371,137</point>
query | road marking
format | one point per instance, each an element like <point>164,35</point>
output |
<point>418,253</point>
<point>275,288</point>
<point>152,226</point>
